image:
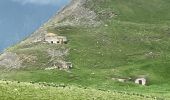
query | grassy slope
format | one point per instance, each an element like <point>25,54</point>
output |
<point>27,91</point>
<point>134,43</point>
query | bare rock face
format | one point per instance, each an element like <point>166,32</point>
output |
<point>28,58</point>
<point>10,60</point>
<point>57,53</point>
<point>76,15</point>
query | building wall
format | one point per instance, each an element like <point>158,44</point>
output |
<point>56,39</point>
<point>141,79</point>
<point>52,40</point>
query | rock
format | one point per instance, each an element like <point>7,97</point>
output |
<point>10,60</point>
<point>57,53</point>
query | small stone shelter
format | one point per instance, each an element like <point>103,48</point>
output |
<point>60,65</point>
<point>141,81</point>
<point>55,39</point>
<point>63,65</point>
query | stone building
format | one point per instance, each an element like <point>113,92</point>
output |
<point>63,65</point>
<point>55,39</point>
<point>141,81</point>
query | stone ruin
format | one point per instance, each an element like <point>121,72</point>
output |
<point>60,65</point>
<point>55,39</point>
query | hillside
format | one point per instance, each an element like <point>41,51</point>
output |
<point>107,39</point>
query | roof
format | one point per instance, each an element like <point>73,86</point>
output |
<point>50,35</point>
<point>63,37</point>
<point>142,78</point>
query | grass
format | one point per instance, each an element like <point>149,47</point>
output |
<point>28,91</point>
<point>134,43</point>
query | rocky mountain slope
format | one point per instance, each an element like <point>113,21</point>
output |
<point>73,15</point>
<point>108,41</point>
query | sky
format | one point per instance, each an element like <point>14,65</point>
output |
<point>20,18</point>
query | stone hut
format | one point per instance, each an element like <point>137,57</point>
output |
<point>141,81</point>
<point>55,39</point>
<point>69,65</point>
<point>63,65</point>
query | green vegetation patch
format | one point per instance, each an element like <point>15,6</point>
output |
<point>28,91</point>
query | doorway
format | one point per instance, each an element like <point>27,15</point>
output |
<point>140,81</point>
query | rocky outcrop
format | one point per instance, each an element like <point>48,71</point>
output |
<point>75,14</point>
<point>10,60</point>
<point>57,53</point>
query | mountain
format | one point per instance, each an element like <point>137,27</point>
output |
<point>110,44</point>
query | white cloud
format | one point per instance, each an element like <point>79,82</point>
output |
<point>40,2</point>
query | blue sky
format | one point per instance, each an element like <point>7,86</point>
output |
<point>19,18</point>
